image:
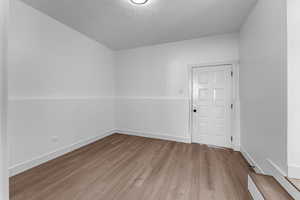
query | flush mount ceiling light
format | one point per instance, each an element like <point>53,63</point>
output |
<point>139,2</point>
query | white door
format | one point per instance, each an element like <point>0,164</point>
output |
<point>212,105</point>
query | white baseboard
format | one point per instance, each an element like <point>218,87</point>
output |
<point>294,171</point>
<point>275,171</point>
<point>155,136</point>
<point>255,193</point>
<point>275,168</point>
<point>21,167</point>
<point>236,148</point>
<point>251,160</point>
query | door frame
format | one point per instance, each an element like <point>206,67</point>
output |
<point>4,18</point>
<point>235,115</point>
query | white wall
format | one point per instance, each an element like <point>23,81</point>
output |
<point>3,98</point>
<point>263,84</point>
<point>152,84</point>
<point>61,87</point>
<point>293,88</point>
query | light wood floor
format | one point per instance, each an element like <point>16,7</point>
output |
<point>269,188</point>
<point>124,167</point>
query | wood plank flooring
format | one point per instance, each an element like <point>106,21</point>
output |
<point>121,167</point>
<point>269,187</point>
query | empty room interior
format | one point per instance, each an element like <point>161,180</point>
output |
<point>150,100</point>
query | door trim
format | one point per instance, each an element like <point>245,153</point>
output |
<point>4,181</point>
<point>235,96</point>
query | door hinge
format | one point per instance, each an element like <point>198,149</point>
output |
<point>231,106</point>
<point>231,73</point>
<point>231,138</point>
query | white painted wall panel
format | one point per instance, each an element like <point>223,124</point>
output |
<point>154,82</point>
<point>293,88</point>
<point>263,81</point>
<point>48,58</point>
<point>36,124</point>
<point>61,86</point>
<point>4,11</point>
<point>167,117</point>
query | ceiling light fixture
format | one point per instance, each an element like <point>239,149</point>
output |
<point>139,2</point>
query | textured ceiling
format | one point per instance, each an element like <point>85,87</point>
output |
<point>120,25</point>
